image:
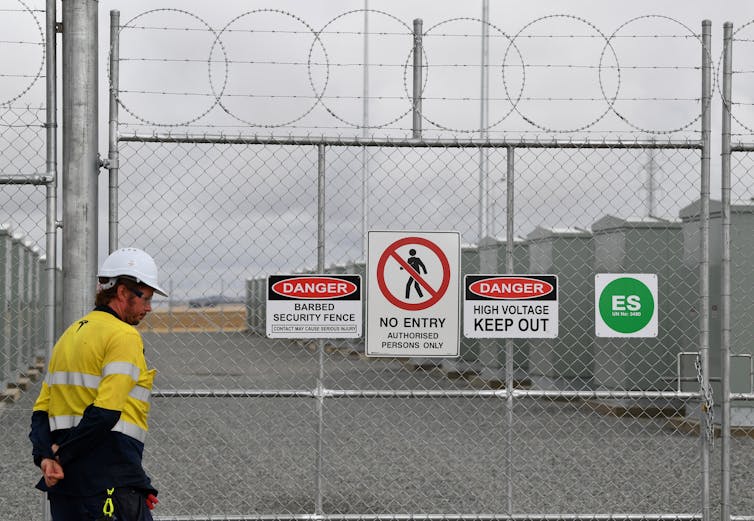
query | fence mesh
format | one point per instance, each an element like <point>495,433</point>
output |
<point>441,436</point>
<point>742,274</point>
<point>22,207</point>
<point>741,269</point>
<point>256,426</point>
<point>22,227</point>
<point>577,212</point>
<point>22,117</point>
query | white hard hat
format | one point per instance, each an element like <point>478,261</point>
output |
<point>133,263</point>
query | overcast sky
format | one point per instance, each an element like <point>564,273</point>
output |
<point>254,209</point>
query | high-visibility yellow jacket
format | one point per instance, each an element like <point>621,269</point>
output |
<point>94,404</point>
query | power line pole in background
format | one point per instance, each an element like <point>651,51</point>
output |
<point>484,192</point>
<point>365,134</point>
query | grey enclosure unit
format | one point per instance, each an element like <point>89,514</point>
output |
<point>492,352</point>
<point>358,268</point>
<point>336,269</point>
<point>468,361</point>
<point>646,245</point>
<point>256,300</point>
<point>565,362</point>
<point>741,312</point>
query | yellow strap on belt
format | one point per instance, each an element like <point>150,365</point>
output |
<point>108,508</point>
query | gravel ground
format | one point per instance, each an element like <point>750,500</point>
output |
<point>234,456</point>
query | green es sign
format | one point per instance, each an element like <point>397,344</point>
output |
<point>625,305</point>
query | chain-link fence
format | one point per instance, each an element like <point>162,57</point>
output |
<point>409,435</point>
<point>22,203</point>
<point>22,317</point>
<point>577,168</point>
<point>22,119</point>
<point>732,260</point>
<point>577,426</point>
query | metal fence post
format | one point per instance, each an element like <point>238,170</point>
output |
<point>509,268</point>
<point>365,135</point>
<point>484,192</point>
<point>5,351</point>
<point>320,343</point>
<point>706,437</point>
<point>112,156</point>
<point>725,269</point>
<point>417,82</point>
<point>80,161</point>
<point>52,175</point>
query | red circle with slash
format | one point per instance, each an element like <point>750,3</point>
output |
<point>435,294</point>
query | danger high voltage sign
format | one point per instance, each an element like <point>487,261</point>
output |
<point>510,306</point>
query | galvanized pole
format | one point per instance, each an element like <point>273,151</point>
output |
<point>5,245</point>
<point>365,134</point>
<point>80,161</point>
<point>318,510</point>
<point>705,436</point>
<point>112,155</point>
<point>484,192</point>
<point>509,268</point>
<point>51,124</point>
<point>417,79</point>
<point>725,282</point>
<point>651,171</point>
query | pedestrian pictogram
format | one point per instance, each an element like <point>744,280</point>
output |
<point>413,300</point>
<point>418,276</point>
<point>417,264</point>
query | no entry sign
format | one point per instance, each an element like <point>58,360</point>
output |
<point>413,294</point>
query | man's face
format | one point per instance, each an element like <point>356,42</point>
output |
<point>138,305</point>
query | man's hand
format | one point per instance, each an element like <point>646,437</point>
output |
<point>152,501</point>
<point>52,471</point>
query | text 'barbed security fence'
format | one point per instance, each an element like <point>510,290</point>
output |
<point>590,154</point>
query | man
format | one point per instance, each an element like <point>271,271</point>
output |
<point>90,419</point>
<point>416,263</point>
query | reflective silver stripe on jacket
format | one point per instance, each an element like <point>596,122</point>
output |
<point>140,393</point>
<point>70,378</point>
<point>92,381</point>
<point>121,368</point>
<point>63,422</point>
<point>129,429</point>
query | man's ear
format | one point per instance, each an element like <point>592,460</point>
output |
<point>122,292</point>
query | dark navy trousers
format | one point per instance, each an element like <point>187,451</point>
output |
<point>128,504</point>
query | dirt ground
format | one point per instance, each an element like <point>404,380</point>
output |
<point>184,319</point>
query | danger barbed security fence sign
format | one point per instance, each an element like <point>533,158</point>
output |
<point>413,294</point>
<point>314,306</point>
